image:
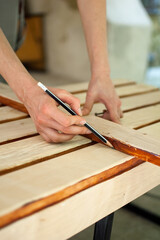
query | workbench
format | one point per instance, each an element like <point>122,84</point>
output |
<point>53,191</point>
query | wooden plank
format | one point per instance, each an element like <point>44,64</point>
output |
<point>139,101</point>
<point>85,208</point>
<point>127,140</point>
<point>134,90</point>
<point>124,91</point>
<point>152,130</point>
<point>9,114</point>
<point>16,129</point>
<point>7,96</point>
<point>132,102</point>
<point>45,182</point>
<point>141,117</point>
<point>83,86</point>
<point>34,150</point>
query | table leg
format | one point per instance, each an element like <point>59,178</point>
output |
<point>103,228</point>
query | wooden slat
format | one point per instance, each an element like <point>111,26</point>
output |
<point>10,114</point>
<point>152,130</point>
<point>85,208</point>
<point>83,86</point>
<point>16,129</point>
<point>34,150</point>
<point>124,91</point>
<point>141,117</point>
<point>127,140</point>
<point>134,90</point>
<point>8,97</point>
<point>17,194</point>
<point>139,101</point>
<point>132,102</point>
<point>48,178</point>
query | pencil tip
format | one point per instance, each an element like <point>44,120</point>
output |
<point>109,144</point>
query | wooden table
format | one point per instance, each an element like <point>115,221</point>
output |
<point>53,191</point>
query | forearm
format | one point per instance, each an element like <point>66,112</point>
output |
<point>12,69</point>
<point>93,14</point>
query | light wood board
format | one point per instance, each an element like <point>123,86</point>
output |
<point>34,150</point>
<point>141,117</point>
<point>85,208</point>
<point>7,96</point>
<point>10,114</point>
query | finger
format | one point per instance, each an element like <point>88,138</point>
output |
<point>74,130</point>
<point>66,120</point>
<point>88,105</point>
<point>57,137</point>
<point>120,112</point>
<point>113,113</point>
<point>70,99</point>
<point>45,137</point>
<point>74,102</point>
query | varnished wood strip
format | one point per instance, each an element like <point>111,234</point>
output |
<point>9,114</point>
<point>33,150</point>
<point>127,140</point>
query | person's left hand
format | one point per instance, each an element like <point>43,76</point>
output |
<point>101,89</point>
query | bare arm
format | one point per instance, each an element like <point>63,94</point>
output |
<point>49,120</point>
<point>101,89</point>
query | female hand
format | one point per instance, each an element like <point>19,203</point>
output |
<point>101,89</point>
<point>53,124</point>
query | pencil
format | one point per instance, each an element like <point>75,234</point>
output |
<point>87,125</point>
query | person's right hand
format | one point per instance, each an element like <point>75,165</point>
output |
<point>53,124</point>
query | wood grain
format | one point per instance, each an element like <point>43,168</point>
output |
<point>9,114</point>
<point>141,117</point>
<point>34,150</point>
<point>152,130</point>
<point>33,188</point>
<point>83,86</point>
<point>16,129</point>
<point>85,208</point>
<point>7,96</point>
<point>132,102</point>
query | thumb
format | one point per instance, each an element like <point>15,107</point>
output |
<point>87,106</point>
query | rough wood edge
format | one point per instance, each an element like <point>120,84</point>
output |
<point>129,149</point>
<point>42,203</point>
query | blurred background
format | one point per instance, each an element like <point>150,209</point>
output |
<point>54,46</point>
<point>54,51</point>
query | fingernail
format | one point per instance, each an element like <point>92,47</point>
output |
<point>82,122</point>
<point>88,131</point>
<point>79,111</point>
